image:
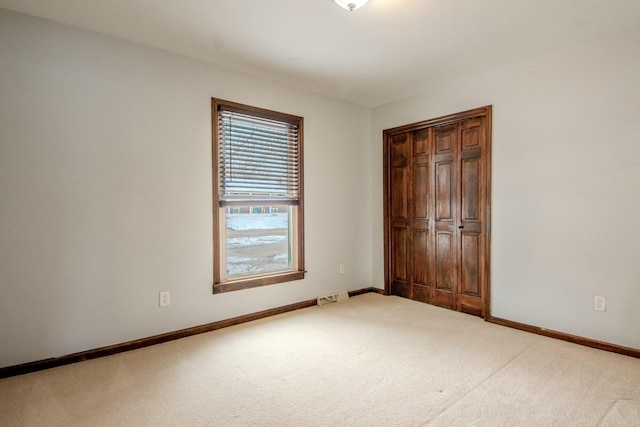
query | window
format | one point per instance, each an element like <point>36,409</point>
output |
<point>257,195</point>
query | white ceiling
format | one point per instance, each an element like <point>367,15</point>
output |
<point>388,50</point>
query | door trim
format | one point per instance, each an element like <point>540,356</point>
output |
<point>485,112</point>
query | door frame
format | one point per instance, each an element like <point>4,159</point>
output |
<point>485,112</point>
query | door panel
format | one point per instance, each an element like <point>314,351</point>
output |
<point>471,133</point>
<point>421,142</point>
<point>444,261</point>
<point>445,286</point>
<point>420,191</point>
<point>400,244</point>
<point>444,191</point>
<point>400,152</point>
<point>421,254</point>
<point>399,201</point>
<point>470,265</point>
<point>399,149</point>
<point>470,189</point>
<point>446,139</point>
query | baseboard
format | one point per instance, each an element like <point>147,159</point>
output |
<point>40,365</point>
<point>627,351</point>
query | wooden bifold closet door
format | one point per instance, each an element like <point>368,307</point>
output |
<point>437,194</point>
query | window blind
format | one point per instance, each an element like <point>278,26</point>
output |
<point>258,159</point>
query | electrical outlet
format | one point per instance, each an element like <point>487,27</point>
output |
<point>341,268</point>
<point>165,298</point>
<point>599,303</point>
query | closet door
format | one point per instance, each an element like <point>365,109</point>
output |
<point>446,211</point>
<point>471,216</point>
<point>421,248</point>
<point>436,211</point>
<point>399,153</point>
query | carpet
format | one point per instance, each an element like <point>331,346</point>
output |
<point>370,361</point>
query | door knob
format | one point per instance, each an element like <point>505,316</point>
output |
<point>461,226</point>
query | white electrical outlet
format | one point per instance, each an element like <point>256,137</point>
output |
<point>599,303</point>
<point>165,298</point>
<point>341,268</point>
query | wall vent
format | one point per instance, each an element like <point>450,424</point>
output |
<point>331,298</point>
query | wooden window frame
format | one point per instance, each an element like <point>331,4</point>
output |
<point>268,278</point>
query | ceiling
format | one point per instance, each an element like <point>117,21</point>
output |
<point>385,51</point>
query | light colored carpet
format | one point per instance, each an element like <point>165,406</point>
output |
<point>370,361</point>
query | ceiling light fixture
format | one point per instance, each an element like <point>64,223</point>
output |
<point>351,4</point>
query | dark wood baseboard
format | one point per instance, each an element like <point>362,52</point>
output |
<point>627,351</point>
<point>41,365</point>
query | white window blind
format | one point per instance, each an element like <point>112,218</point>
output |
<point>257,159</point>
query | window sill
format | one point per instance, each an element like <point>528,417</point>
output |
<point>237,285</point>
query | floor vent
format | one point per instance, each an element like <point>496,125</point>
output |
<point>331,298</point>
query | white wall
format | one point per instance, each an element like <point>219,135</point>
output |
<point>566,170</point>
<point>105,191</point>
